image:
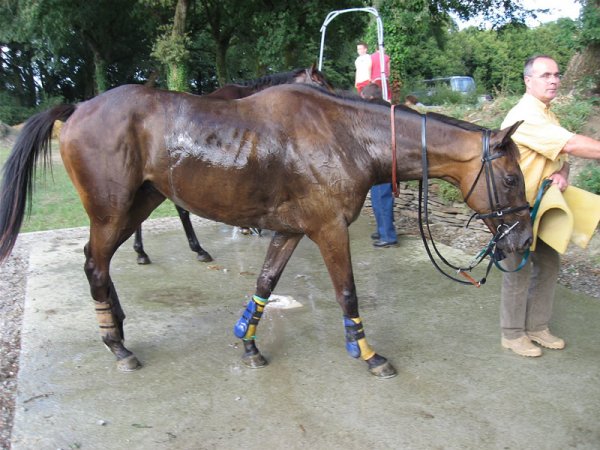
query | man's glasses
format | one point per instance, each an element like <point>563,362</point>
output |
<point>547,76</point>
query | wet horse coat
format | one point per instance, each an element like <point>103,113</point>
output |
<point>308,75</point>
<point>291,159</point>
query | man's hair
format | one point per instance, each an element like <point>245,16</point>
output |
<point>529,63</point>
<point>364,44</point>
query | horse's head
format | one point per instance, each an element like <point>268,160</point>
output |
<point>313,76</point>
<point>496,191</point>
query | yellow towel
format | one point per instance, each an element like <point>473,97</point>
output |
<point>569,216</point>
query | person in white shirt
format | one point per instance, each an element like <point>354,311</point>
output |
<point>363,67</point>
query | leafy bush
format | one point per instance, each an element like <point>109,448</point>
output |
<point>589,178</point>
<point>573,111</point>
<point>449,192</point>
<point>12,113</point>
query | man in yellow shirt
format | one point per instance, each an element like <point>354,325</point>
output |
<point>528,295</point>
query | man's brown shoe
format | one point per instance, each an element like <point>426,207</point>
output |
<point>522,346</point>
<point>546,339</point>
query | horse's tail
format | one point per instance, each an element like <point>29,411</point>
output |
<point>19,172</point>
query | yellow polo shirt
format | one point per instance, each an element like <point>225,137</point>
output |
<point>540,139</point>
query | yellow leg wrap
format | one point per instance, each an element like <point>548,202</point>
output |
<point>245,328</point>
<point>366,352</point>
<point>352,333</point>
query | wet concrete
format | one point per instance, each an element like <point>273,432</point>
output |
<point>456,387</point>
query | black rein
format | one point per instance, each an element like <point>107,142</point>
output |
<point>495,210</point>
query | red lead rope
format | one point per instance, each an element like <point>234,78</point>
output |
<point>394,181</point>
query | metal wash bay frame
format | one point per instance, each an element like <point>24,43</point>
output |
<point>333,14</point>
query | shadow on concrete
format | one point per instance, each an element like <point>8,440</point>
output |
<point>456,388</point>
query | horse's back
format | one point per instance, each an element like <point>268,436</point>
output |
<point>212,156</point>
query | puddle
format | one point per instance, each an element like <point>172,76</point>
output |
<point>283,302</point>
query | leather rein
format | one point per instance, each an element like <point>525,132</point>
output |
<point>496,212</point>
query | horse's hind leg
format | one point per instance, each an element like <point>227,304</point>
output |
<point>105,238</point>
<point>280,249</point>
<point>138,247</point>
<point>203,255</point>
<point>109,313</point>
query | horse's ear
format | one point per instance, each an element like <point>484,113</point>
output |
<point>313,68</point>
<point>502,136</point>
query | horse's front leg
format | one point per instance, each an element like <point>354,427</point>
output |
<point>184,215</point>
<point>280,249</point>
<point>334,244</point>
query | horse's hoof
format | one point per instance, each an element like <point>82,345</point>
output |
<point>128,364</point>
<point>143,260</point>
<point>204,257</point>
<point>254,361</point>
<point>383,371</point>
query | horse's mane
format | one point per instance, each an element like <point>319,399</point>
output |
<point>511,150</point>
<point>468,126</point>
<point>272,79</point>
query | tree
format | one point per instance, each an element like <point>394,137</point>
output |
<point>87,46</point>
<point>226,20</point>
<point>584,67</point>
<point>172,48</point>
<point>424,42</point>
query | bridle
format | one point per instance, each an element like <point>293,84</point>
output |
<point>496,211</point>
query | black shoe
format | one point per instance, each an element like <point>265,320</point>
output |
<point>383,244</point>
<point>375,236</point>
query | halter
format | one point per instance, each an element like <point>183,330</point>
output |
<point>496,212</point>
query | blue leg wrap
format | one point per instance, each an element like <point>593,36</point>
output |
<point>354,332</point>
<point>246,325</point>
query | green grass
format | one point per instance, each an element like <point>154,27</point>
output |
<point>589,178</point>
<point>56,203</point>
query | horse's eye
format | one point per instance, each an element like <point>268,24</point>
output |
<point>510,180</point>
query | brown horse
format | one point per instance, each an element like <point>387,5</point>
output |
<point>308,75</point>
<point>292,159</point>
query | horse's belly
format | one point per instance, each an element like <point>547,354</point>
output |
<point>235,196</point>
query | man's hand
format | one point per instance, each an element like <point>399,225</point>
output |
<point>559,180</point>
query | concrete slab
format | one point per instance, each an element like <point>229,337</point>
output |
<point>456,388</point>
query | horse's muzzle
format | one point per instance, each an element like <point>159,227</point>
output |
<point>514,237</point>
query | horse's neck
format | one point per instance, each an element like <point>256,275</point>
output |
<point>407,147</point>
<point>440,141</point>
